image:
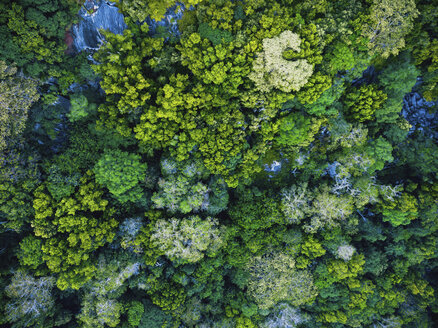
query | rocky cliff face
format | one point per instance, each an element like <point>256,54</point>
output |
<point>420,114</point>
<point>96,15</point>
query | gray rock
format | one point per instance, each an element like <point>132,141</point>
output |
<point>95,16</point>
<point>416,110</point>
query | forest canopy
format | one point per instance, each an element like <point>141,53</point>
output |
<point>219,163</point>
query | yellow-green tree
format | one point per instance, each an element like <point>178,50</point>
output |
<point>72,229</point>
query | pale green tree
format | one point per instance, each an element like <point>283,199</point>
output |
<point>188,240</point>
<point>284,316</point>
<point>271,70</point>
<point>30,299</point>
<point>273,278</point>
<point>345,252</point>
<point>389,23</point>
<point>294,203</point>
<point>100,306</point>
<point>328,210</point>
<point>17,95</point>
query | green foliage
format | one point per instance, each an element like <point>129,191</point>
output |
<point>61,184</point>
<point>326,103</point>
<point>314,88</point>
<point>274,279</point>
<point>397,79</point>
<point>339,231</point>
<point>32,36</point>
<point>30,253</point>
<point>168,296</point>
<point>17,95</point>
<point>79,107</point>
<point>269,279</point>
<point>216,36</point>
<point>118,52</point>
<point>135,313</point>
<point>297,130</point>
<point>72,229</point>
<point>100,307</point>
<point>310,249</point>
<point>19,176</point>
<point>101,313</point>
<point>153,317</point>
<point>294,203</point>
<point>328,210</point>
<point>138,10</point>
<point>362,103</point>
<point>121,173</point>
<point>256,210</point>
<point>380,150</point>
<point>180,190</point>
<point>400,211</point>
<point>341,58</point>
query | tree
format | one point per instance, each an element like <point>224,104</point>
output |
<point>17,95</point>
<point>32,36</point>
<point>311,249</point>
<point>271,70</point>
<point>30,253</point>
<point>255,210</point>
<point>180,190</point>
<point>19,176</point>
<point>80,108</point>
<point>138,10</point>
<point>31,299</point>
<point>121,173</point>
<point>135,313</point>
<point>297,130</point>
<point>153,316</point>
<point>341,57</point>
<point>60,183</point>
<point>362,103</point>
<point>100,313</point>
<point>345,252</point>
<point>397,79</point>
<point>402,210</point>
<point>380,150</point>
<point>273,278</point>
<point>427,55</point>
<point>100,304</point>
<point>269,278</point>
<point>294,203</point>
<point>389,23</point>
<point>329,210</point>
<point>284,315</point>
<point>131,49</point>
<point>187,240</point>
<point>314,88</point>
<point>327,103</point>
<point>72,229</point>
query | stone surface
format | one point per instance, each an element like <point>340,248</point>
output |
<point>96,15</point>
<point>420,113</point>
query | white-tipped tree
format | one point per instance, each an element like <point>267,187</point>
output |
<point>31,299</point>
<point>284,316</point>
<point>295,203</point>
<point>187,240</point>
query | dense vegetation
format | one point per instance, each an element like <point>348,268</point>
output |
<point>155,197</point>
